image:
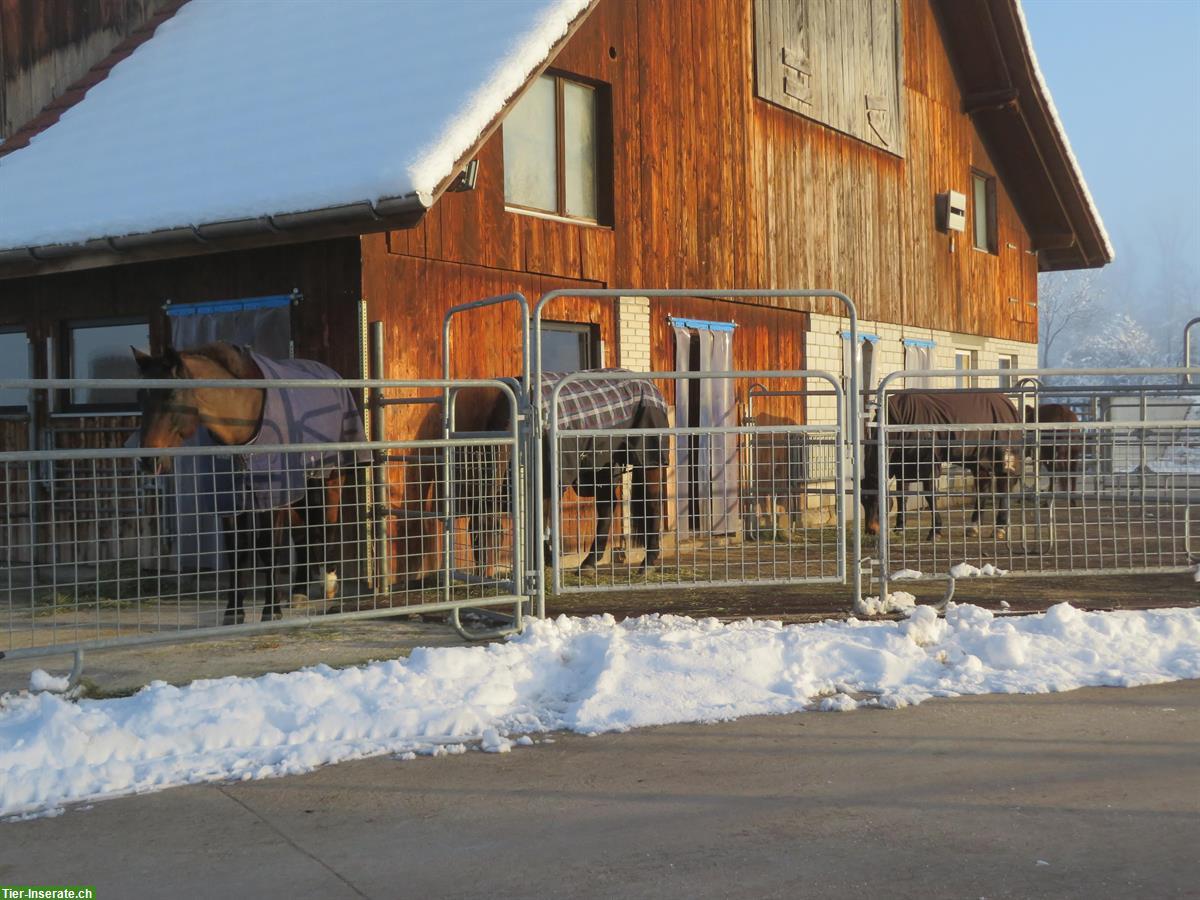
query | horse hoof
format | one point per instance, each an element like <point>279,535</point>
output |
<point>972,531</point>
<point>1001,534</point>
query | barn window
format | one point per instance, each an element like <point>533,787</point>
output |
<point>1006,362</point>
<point>983,212</point>
<point>100,349</point>
<point>964,360</point>
<point>569,347</point>
<point>555,157</point>
<point>14,363</point>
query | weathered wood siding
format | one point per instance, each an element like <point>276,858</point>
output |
<point>714,186</point>
<point>46,45</point>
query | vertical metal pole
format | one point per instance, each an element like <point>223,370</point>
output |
<point>882,500</point>
<point>1187,348</point>
<point>378,476</point>
<point>555,506</point>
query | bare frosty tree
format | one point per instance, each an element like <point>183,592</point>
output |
<point>1069,304</point>
<point>1121,344</point>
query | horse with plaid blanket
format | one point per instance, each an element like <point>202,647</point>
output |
<point>593,464</point>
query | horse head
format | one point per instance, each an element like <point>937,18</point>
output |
<point>169,415</point>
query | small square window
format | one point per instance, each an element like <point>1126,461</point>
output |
<point>964,360</point>
<point>100,349</point>
<point>555,157</point>
<point>983,212</point>
<point>14,363</point>
<point>569,347</point>
<point>1006,362</point>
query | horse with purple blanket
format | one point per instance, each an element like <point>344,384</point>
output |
<point>989,454</point>
<point>280,500</point>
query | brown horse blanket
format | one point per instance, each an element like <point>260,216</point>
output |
<point>918,407</point>
<point>601,403</point>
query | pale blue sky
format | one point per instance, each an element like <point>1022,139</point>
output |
<point>1125,76</point>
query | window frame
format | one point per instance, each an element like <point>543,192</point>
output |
<point>602,95</point>
<point>1007,361</point>
<point>64,363</point>
<point>972,359</point>
<point>9,410</point>
<point>991,237</point>
<point>588,332</point>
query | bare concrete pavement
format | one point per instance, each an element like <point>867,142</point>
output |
<point>1095,793</point>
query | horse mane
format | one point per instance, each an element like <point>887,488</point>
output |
<point>229,357</point>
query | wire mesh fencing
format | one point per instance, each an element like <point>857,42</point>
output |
<point>1046,490</point>
<point>724,501</point>
<point>117,545</point>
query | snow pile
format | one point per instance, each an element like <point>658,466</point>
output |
<point>907,575</point>
<point>897,601</point>
<point>238,110</point>
<point>966,570</point>
<point>41,680</point>
<point>584,675</point>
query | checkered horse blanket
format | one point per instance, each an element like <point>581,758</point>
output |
<point>298,416</point>
<point>598,403</point>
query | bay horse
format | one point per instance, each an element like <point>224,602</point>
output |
<point>918,456</point>
<point>280,500</point>
<point>1058,450</point>
<point>593,465</point>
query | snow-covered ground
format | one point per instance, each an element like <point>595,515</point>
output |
<point>584,675</point>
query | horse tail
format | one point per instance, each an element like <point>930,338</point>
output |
<point>639,507</point>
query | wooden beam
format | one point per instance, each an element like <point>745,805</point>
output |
<point>999,98</point>
<point>1052,240</point>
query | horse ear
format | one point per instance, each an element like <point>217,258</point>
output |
<point>173,361</point>
<point>143,359</point>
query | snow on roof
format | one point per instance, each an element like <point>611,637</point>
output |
<point>242,109</point>
<point>1062,132</point>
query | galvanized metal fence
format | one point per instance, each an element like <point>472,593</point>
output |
<point>103,548</point>
<point>714,513</point>
<point>124,546</point>
<point>1111,491</point>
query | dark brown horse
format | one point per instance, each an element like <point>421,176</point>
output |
<point>281,501</point>
<point>989,454</point>
<point>591,464</point>
<point>1060,450</point>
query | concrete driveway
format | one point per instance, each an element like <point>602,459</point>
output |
<point>1094,793</point>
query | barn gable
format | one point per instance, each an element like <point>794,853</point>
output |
<point>86,211</point>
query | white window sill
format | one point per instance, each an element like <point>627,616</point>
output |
<point>554,217</point>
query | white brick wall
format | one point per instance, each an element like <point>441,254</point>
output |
<point>826,352</point>
<point>633,333</point>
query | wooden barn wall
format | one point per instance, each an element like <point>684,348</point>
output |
<point>46,45</point>
<point>327,273</point>
<point>100,520</point>
<point>715,187</point>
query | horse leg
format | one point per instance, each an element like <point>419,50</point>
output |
<point>242,526</point>
<point>277,555</point>
<point>648,511</point>
<point>935,528</point>
<point>604,512</point>
<point>981,478</point>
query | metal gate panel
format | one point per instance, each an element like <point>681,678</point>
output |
<point>1042,498</point>
<point>92,559</point>
<point>752,543</point>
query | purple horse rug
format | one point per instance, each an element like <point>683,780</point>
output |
<point>298,416</point>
